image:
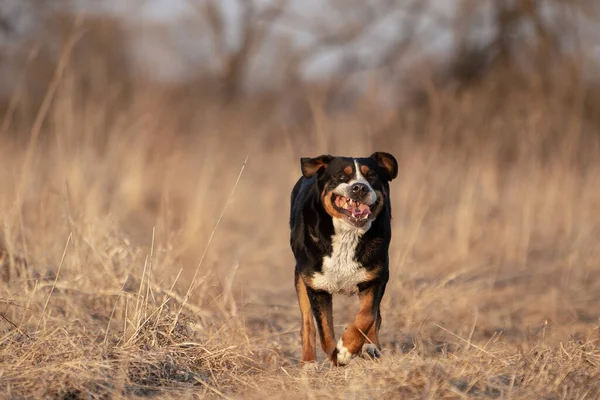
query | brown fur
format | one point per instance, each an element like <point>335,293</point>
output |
<point>308,332</point>
<point>328,204</point>
<point>356,333</point>
<point>388,163</point>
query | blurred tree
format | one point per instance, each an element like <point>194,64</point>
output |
<point>334,44</point>
<point>98,65</point>
<point>529,34</point>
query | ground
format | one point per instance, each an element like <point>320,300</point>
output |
<point>151,259</point>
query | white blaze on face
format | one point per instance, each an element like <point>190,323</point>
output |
<point>359,178</point>
<point>358,175</point>
<point>345,189</point>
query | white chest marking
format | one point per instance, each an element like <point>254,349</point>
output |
<point>341,272</point>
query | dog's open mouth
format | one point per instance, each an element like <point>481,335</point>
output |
<point>356,212</point>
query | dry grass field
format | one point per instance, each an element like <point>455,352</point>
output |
<point>145,247</point>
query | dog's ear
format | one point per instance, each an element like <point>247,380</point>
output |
<point>311,166</point>
<point>388,162</point>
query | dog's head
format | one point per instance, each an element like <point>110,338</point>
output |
<point>352,190</point>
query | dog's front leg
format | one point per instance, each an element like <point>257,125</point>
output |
<point>353,339</point>
<point>308,327</point>
<point>322,307</point>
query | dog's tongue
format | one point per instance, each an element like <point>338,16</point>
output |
<point>359,209</point>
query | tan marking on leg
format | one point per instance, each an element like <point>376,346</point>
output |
<point>373,333</point>
<point>307,331</point>
<point>353,339</point>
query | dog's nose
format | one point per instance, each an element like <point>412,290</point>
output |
<point>359,188</point>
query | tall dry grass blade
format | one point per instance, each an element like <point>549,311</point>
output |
<point>481,349</point>
<point>210,238</point>
<point>150,262</point>
<point>28,305</point>
<point>112,313</point>
<point>62,260</point>
<point>138,303</point>
<point>22,332</point>
<point>228,298</point>
<point>473,329</point>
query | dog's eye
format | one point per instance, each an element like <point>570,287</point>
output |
<point>342,177</point>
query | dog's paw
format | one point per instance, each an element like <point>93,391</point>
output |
<point>370,351</point>
<point>344,356</point>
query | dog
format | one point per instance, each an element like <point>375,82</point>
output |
<point>340,231</point>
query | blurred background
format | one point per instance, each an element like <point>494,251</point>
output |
<point>172,130</point>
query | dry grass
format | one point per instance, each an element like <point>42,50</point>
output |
<point>109,222</point>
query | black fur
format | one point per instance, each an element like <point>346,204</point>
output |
<point>312,226</point>
<point>307,216</point>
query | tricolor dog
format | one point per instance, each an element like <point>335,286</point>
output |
<point>340,223</point>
